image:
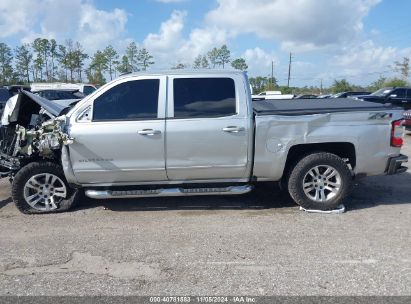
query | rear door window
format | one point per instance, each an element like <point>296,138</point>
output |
<point>131,100</point>
<point>204,97</point>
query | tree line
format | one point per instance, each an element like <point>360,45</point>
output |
<point>402,68</point>
<point>45,60</point>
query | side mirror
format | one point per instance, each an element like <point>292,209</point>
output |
<point>393,96</point>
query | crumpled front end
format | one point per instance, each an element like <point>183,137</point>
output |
<point>29,132</point>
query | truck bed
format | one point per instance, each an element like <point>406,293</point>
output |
<point>315,106</point>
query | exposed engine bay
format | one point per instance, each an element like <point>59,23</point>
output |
<point>32,128</point>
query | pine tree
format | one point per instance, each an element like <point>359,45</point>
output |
<point>112,59</point>
<point>144,59</point>
<point>23,61</point>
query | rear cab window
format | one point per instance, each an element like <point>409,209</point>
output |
<point>204,97</point>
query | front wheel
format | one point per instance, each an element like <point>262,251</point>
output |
<point>41,187</point>
<point>320,181</point>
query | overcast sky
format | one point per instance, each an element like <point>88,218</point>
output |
<point>353,39</point>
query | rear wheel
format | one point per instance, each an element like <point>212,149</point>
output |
<point>320,181</point>
<point>40,187</point>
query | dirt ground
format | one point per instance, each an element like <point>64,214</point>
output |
<point>257,244</point>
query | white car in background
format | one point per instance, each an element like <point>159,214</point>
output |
<point>271,95</point>
<point>84,88</point>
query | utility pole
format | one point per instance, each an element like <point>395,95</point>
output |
<point>321,86</point>
<point>272,73</point>
<point>289,70</point>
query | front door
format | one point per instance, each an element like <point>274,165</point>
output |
<point>123,140</point>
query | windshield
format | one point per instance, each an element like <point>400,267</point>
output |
<point>88,90</point>
<point>381,92</point>
<point>4,95</point>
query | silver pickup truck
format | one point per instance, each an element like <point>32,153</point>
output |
<point>181,133</point>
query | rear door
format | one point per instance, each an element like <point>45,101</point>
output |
<point>119,136</point>
<point>398,97</point>
<point>208,132</point>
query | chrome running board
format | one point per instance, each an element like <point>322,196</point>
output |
<point>110,194</point>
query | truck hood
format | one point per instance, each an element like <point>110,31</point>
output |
<point>12,108</point>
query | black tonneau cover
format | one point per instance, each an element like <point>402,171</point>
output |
<point>315,106</point>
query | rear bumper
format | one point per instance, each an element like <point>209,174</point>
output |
<point>395,166</point>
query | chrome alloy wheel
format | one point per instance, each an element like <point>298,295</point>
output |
<point>322,183</point>
<point>44,191</point>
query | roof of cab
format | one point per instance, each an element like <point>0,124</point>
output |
<point>183,72</point>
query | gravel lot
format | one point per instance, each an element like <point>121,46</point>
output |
<point>257,244</point>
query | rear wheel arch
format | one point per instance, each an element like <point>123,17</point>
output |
<point>319,180</point>
<point>344,150</point>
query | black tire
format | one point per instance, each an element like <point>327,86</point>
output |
<point>72,197</point>
<point>299,174</point>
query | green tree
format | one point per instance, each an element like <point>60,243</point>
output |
<point>341,86</point>
<point>45,48</point>
<point>144,59</point>
<point>23,60</point>
<point>124,66</point>
<point>112,59</point>
<point>201,62</point>
<point>395,82</point>
<point>132,54</point>
<point>62,58</point>
<point>197,62</point>
<point>42,48</point>
<point>71,62</point>
<point>223,56</point>
<point>78,58</point>
<point>98,65</point>
<point>258,83</point>
<point>213,56</point>
<point>179,66</point>
<point>38,47</point>
<point>53,56</point>
<point>403,67</point>
<point>6,59</point>
<point>204,63</point>
<point>378,84</point>
<point>239,64</point>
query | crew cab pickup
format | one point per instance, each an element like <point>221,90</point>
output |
<point>181,133</point>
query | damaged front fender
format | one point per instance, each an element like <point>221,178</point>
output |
<point>31,130</point>
<point>44,140</point>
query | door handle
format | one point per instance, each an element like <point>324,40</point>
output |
<point>233,129</point>
<point>149,132</point>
